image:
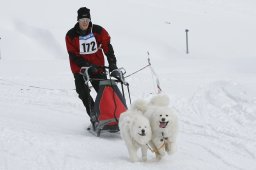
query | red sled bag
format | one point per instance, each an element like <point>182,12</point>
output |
<point>108,106</point>
<point>109,103</point>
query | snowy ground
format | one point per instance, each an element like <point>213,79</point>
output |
<point>43,123</point>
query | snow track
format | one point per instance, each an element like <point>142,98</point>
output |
<point>45,128</point>
<point>220,119</point>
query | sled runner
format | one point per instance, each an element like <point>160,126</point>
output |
<point>109,103</point>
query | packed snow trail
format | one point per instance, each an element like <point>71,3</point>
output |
<point>46,129</point>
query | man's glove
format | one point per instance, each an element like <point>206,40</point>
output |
<point>92,70</point>
<point>112,67</point>
<point>116,74</point>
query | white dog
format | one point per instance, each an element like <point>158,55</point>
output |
<point>136,132</point>
<point>164,124</point>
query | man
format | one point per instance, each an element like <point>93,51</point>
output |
<point>86,43</point>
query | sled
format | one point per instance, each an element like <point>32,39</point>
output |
<point>110,102</point>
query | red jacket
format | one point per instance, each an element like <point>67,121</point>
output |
<point>79,52</point>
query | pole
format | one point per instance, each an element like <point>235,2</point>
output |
<point>187,41</point>
<point>0,49</point>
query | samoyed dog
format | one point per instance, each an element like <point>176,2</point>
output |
<point>135,130</point>
<point>164,125</point>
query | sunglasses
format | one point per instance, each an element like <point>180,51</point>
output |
<point>84,20</point>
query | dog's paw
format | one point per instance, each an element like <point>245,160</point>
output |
<point>172,150</point>
<point>162,153</point>
<point>134,159</point>
<point>144,158</point>
<point>158,157</point>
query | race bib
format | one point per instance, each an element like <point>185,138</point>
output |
<point>88,44</point>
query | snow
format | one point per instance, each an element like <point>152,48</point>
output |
<point>43,123</point>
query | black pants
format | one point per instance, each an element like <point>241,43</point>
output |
<point>83,90</point>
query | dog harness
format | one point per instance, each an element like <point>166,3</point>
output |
<point>164,139</point>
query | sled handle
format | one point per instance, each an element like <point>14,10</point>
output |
<point>84,72</point>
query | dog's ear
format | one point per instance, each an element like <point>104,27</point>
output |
<point>160,100</point>
<point>140,105</point>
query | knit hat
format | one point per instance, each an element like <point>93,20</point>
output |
<point>83,12</point>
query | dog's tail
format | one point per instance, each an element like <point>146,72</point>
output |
<point>140,105</point>
<point>160,100</point>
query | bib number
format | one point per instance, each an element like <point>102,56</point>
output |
<point>87,44</point>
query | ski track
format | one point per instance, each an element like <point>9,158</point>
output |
<point>223,115</point>
<point>217,156</point>
<point>208,121</point>
<point>47,98</point>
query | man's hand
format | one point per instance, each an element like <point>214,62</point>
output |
<point>116,74</point>
<point>92,70</point>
